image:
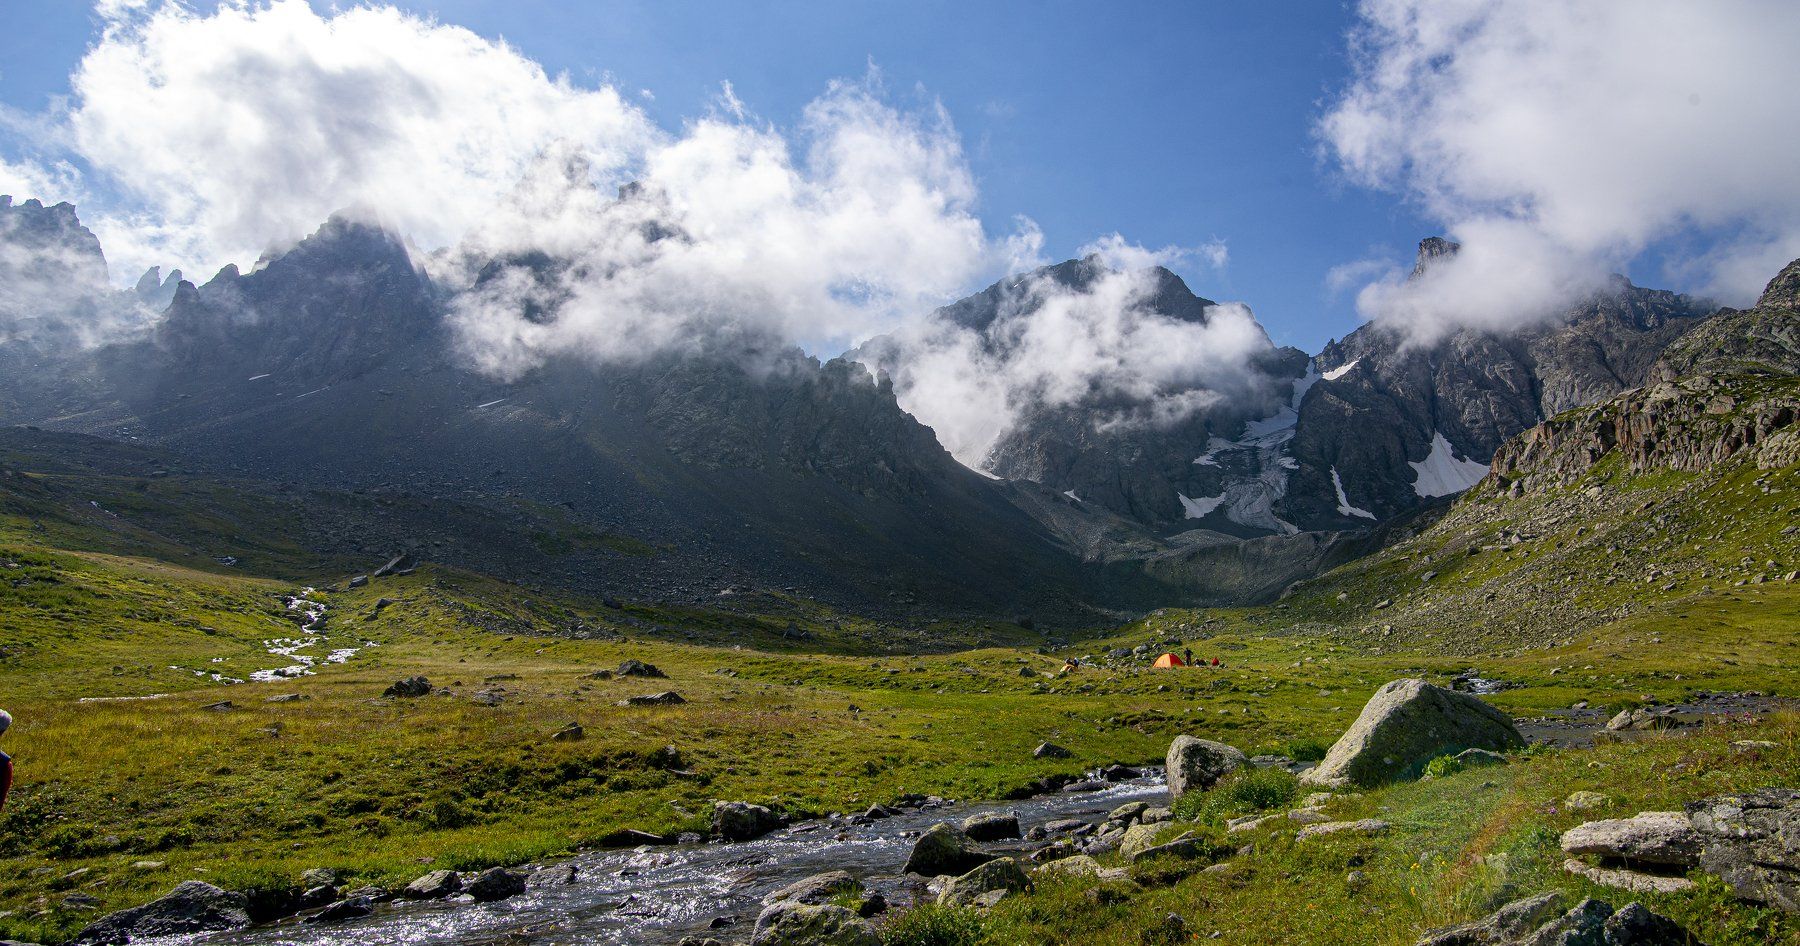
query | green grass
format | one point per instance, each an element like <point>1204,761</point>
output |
<point>121,799</point>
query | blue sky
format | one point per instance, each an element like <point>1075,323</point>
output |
<point>1172,124</point>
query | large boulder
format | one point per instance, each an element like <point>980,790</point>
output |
<point>1000,874</point>
<point>1406,724</point>
<point>944,849</point>
<point>742,821</point>
<point>1752,842</point>
<point>192,907</point>
<point>1196,764</point>
<point>1654,837</point>
<point>803,924</point>
<point>638,668</point>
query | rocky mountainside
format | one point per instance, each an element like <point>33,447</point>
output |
<point>1644,503</point>
<point>1097,451</point>
<point>1394,424</point>
<point>330,367</point>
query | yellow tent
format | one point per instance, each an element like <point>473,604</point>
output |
<point>1168,660</point>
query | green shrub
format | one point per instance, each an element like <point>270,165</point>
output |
<point>932,925</point>
<point>1240,793</point>
<point>1442,766</point>
<point>1306,750</point>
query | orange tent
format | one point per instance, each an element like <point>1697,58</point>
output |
<point>1168,660</point>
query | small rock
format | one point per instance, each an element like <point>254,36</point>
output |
<point>349,908</point>
<point>991,826</point>
<point>742,821</point>
<point>800,924</point>
<point>409,687</point>
<point>1363,826</point>
<point>496,883</point>
<point>665,698</point>
<point>433,886</point>
<point>637,668</point>
<point>1050,750</point>
<point>1586,801</point>
<point>817,889</point>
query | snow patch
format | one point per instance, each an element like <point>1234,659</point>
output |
<point>1340,370</point>
<point>1442,473</point>
<point>1200,508</point>
<point>1071,494</point>
<point>488,404</point>
<point>1344,508</point>
<point>258,377</point>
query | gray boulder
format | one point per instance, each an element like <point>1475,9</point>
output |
<point>1508,924</point>
<point>1002,874</point>
<point>991,826</point>
<point>803,924</point>
<point>944,849</point>
<point>1198,764</point>
<point>1752,842</point>
<point>1406,724</point>
<point>1050,750</point>
<point>496,883</point>
<point>556,875</point>
<point>817,889</point>
<point>742,821</point>
<point>192,907</point>
<point>637,668</point>
<point>433,886</point>
<point>1654,837</point>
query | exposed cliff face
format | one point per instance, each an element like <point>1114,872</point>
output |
<point>1401,424</point>
<point>1730,387</point>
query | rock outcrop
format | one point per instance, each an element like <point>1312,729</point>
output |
<point>1752,841</point>
<point>192,907</point>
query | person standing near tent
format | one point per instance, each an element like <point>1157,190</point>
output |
<point>1215,661</point>
<point>5,761</point>
<point>1187,656</point>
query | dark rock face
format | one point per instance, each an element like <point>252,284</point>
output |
<point>1393,400</point>
<point>331,365</point>
<point>1752,841</point>
<point>192,907</point>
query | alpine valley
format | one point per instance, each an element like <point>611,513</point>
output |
<point>279,533</point>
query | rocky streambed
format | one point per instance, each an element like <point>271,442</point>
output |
<point>657,895</point>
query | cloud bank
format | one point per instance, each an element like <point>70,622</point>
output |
<point>1556,140</point>
<point>1103,347</point>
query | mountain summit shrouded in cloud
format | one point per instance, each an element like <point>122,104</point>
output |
<point>1557,140</point>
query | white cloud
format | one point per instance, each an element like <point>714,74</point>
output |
<point>1558,139</point>
<point>737,233</point>
<point>249,126</point>
<point>233,131</point>
<point>1101,347</point>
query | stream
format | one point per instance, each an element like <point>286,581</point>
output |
<point>654,896</point>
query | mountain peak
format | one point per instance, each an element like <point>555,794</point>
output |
<point>1432,249</point>
<point>1783,292</point>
